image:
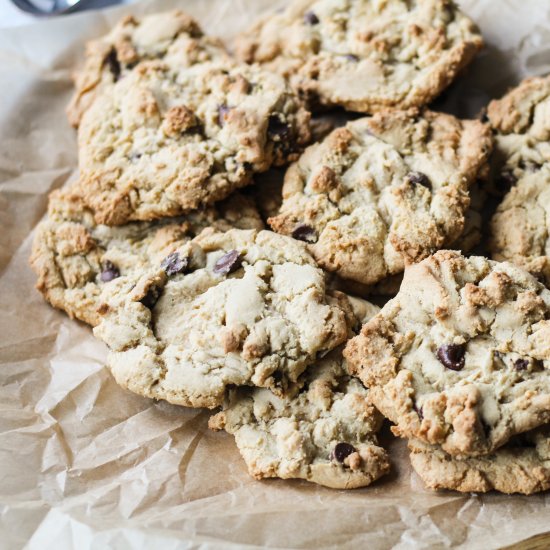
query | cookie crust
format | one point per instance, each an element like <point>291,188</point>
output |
<point>70,251</point>
<point>521,466</point>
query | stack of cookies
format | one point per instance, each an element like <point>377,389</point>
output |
<point>230,249</point>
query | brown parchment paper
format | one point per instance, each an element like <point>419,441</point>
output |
<point>87,465</point>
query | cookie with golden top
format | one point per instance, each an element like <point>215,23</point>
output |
<point>181,131</point>
<point>239,308</point>
<point>364,55</point>
<point>520,227</point>
<point>383,191</point>
<point>460,357</point>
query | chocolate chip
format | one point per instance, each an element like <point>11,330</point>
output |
<point>419,411</point>
<point>228,263</point>
<point>310,18</point>
<point>521,364</point>
<point>277,129</point>
<point>418,178</point>
<point>112,62</point>
<point>110,272</point>
<point>304,232</point>
<point>506,181</point>
<point>152,297</point>
<point>174,263</point>
<point>223,111</point>
<point>342,451</point>
<point>351,57</point>
<point>452,356</point>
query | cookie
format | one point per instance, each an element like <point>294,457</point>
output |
<point>245,308</point>
<point>364,55</point>
<point>163,36</point>
<point>520,466</point>
<point>75,259</point>
<point>520,227</point>
<point>521,124</point>
<point>168,138</point>
<point>325,433</point>
<point>460,357</point>
<point>383,191</point>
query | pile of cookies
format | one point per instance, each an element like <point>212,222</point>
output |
<point>231,241</point>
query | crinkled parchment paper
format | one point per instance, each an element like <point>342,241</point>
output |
<point>85,464</point>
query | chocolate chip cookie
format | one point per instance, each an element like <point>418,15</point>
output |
<point>383,191</point>
<point>325,433</point>
<point>170,136</point>
<point>460,357</point>
<point>75,258</point>
<point>520,227</point>
<point>245,308</point>
<point>364,55</point>
<point>520,466</point>
<point>521,124</point>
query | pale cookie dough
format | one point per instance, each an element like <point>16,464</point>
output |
<point>460,357</point>
<point>75,259</point>
<point>520,227</point>
<point>521,124</point>
<point>247,308</point>
<point>170,35</point>
<point>520,466</point>
<point>364,55</point>
<point>326,433</point>
<point>383,191</point>
<point>168,138</point>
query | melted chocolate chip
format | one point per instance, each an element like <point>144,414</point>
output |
<point>228,263</point>
<point>419,411</point>
<point>310,18</point>
<point>174,263</point>
<point>521,364</point>
<point>506,181</point>
<point>112,62</point>
<point>277,129</point>
<point>304,232</point>
<point>342,451</point>
<point>223,111</point>
<point>418,178</point>
<point>152,297</point>
<point>351,57</point>
<point>452,356</point>
<point>110,272</point>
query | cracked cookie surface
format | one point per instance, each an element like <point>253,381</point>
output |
<point>170,137</point>
<point>362,54</point>
<point>520,466</point>
<point>75,258</point>
<point>247,308</point>
<point>325,433</point>
<point>383,191</point>
<point>162,36</point>
<point>521,125</point>
<point>520,227</point>
<point>460,357</point>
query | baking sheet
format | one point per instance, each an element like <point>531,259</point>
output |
<point>85,464</point>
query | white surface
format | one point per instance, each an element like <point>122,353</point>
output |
<point>12,16</point>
